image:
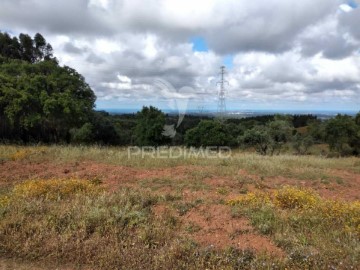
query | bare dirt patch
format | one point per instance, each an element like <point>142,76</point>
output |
<point>214,226</point>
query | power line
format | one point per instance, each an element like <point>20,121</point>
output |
<point>221,97</point>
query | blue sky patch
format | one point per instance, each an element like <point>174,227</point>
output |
<point>352,4</point>
<point>228,61</point>
<point>199,44</point>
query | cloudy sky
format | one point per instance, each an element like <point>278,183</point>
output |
<point>279,54</point>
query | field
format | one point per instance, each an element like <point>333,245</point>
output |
<point>95,208</point>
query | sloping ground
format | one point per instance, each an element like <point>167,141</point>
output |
<point>208,222</point>
<point>341,185</point>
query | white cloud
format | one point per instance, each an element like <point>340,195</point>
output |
<point>289,51</point>
<point>346,8</point>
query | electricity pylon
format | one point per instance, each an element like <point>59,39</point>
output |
<point>221,101</point>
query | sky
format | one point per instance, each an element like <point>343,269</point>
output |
<point>278,54</point>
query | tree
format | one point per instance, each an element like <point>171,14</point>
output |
<point>83,135</point>
<point>302,143</point>
<point>259,138</point>
<point>43,101</point>
<point>316,129</point>
<point>149,127</point>
<point>25,48</point>
<point>209,133</point>
<point>268,139</point>
<point>342,134</point>
<point>280,132</point>
<point>104,129</point>
<point>357,119</point>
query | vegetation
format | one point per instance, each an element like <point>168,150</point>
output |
<point>41,101</point>
<point>149,127</point>
<point>99,223</point>
<point>103,230</point>
<point>209,133</point>
<point>315,232</point>
<point>268,139</point>
<point>87,204</point>
<point>25,48</point>
<point>343,134</point>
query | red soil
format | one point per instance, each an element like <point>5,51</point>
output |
<point>215,226</point>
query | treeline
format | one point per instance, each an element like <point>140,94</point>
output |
<point>25,48</point>
<point>41,101</point>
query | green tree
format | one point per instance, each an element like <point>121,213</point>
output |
<point>316,129</point>
<point>280,132</point>
<point>83,135</point>
<point>43,100</point>
<point>25,48</point>
<point>209,133</point>
<point>149,127</point>
<point>259,138</point>
<point>357,119</point>
<point>42,50</point>
<point>269,138</point>
<point>302,143</point>
<point>342,134</point>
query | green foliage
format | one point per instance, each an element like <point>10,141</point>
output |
<point>149,127</point>
<point>104,131</point>
<point>316,129</point>
<point>302,143</point>
<point>209,133</point>
<point>39,100</point>
<point>302,120</point>
<point>357,119</point>
<point>259,138</point>
<point>85,134</point>
<point>42,101</point>
<point>269,138</point>
<point>25,48</point>
<point>343,135</point>
<point>280,132</point>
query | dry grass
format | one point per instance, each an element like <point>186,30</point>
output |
<point>104,231</point>
<point>316,233</point>
<point>301,167</point>
<point>77,222</point>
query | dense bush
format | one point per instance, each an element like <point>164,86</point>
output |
<point>267,139</point>
<point>209,133</point>
<point>343,135</point>
<point>149,128</point>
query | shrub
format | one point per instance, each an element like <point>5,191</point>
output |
<point>290,197</point>
<point>252,199</point>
